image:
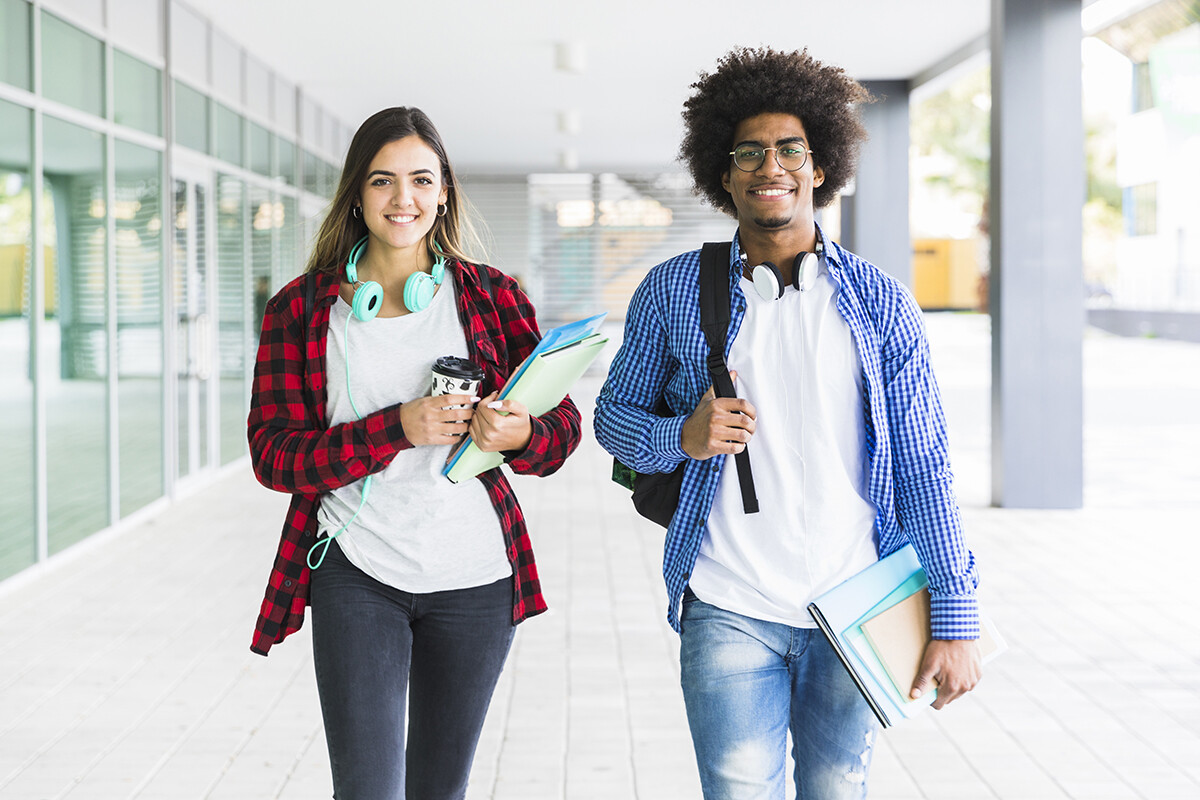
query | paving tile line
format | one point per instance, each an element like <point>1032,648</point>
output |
<point>302,666</point>
<point>182,631</point>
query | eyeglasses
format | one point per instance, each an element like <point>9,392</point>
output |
<point>790,157</point>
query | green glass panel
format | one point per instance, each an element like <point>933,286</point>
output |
<point>192,340</point>
<point>229,135</point>
<point>15,36</point>
<point>287,160</point>
<point>312,177</point>
<point>191,118</point>
<point>74,341</point>
<point>72,66</point>
<point>18,547</point>
<point>138,94</point>
<point>287,258</point>
<point>260,149</point>
<point>329,178</point>
<point>262,232</point>
<point>232,324</point>
<point>137,209</point>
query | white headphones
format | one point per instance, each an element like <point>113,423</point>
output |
<point>768,280</point>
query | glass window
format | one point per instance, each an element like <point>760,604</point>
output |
<point>262,233</point>
<point>138,94</point>
<point>193,338</point>
<point>260,149</point>
<point>229,135</point>
<point>137,208</point>
<point>18,546</point>
<point>287,256</point>
<point>74,344</point>
<point>1142,209</point>
<point>191,118</point>
<point>330,174</point>
<point>287,160</point>
<point>232,323</point>
<point>15,35</point>
<point>312,177</point>
<point>72,66</point>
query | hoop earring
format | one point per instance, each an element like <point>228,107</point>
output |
<point>356,212</point>
<point>442,209</point>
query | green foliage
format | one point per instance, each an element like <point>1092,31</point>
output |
<point>954,126</point>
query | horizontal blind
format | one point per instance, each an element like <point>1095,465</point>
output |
<point>580,243</point>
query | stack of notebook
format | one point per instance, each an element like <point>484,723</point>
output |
<point>539,383</point>
<point>878,622</point>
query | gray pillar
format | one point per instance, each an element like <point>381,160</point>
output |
<point>1036,282</point>
<point>875,217</point>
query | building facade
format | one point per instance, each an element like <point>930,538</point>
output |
<point>154,182</point>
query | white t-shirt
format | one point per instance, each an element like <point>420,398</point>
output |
<point>797,364</point>
<point>417,531</point>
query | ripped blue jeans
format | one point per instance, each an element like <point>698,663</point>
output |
<point>745,684</point>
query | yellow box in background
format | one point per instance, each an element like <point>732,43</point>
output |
<point>946,273</point>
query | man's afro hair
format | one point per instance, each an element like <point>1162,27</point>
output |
<point>749,82</point>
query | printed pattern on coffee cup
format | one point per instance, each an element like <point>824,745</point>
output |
<point>444,384</point>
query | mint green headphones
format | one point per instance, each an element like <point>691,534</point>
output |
<point>418,289</point>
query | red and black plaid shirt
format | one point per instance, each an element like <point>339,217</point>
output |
<point>294,450</point>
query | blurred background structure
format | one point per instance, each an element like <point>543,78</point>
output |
<point>164,165</point>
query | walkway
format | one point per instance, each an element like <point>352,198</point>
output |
<point>124,668</point>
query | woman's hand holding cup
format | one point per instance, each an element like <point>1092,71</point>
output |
<point>440,419</point>
<point>444,416</point>
<point>500,425</point>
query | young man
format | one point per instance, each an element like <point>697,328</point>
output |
<point>847,439</point>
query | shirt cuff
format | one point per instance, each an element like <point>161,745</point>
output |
<point>666,440</point>
<point>385,432</point>
<point>539,443</point>
<point>954,617</point>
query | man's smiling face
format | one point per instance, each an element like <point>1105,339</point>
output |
<point>770,197</point>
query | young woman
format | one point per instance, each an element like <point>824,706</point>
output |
<point>415,583</point>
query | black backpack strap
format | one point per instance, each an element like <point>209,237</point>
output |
<point>714,321</point>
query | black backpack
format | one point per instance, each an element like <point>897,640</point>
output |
<point>656,494</point>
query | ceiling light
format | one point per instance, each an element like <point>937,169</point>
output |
<point>569,57</point>
<point>569,122</point>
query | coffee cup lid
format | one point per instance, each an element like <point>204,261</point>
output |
<point>455,367</point>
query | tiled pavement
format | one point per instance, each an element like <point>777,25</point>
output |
<point>124,668</point>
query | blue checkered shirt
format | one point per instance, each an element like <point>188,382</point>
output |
<point>910,483</point>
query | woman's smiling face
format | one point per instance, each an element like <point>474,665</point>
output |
<point>401,193</point>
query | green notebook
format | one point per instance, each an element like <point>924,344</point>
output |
<point>539,386</point>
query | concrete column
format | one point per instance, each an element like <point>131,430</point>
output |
<point>875,217</point>
<point>1036,283</point>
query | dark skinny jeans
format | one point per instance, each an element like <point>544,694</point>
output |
<point>374,646</point>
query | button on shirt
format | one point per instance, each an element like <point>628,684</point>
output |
<point>908,470</point>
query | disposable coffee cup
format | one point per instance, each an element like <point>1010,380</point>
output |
<point>454,375</point>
